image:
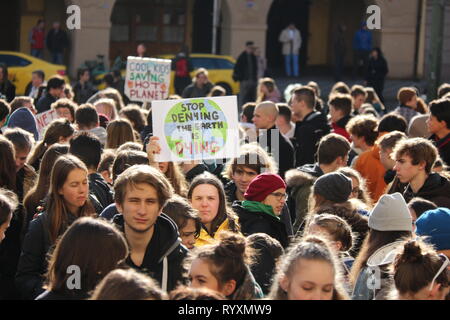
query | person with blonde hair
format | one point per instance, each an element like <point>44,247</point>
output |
<point>107,107</point>
<point>200,86</point>
<point>267,91</point>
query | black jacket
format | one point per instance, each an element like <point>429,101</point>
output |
<point>443,146</point>
<point>32,263</point>
<point>57,41</point>
<point>195,171</point>
<point>8,89</point>
<point>284,151</point>
<point>241,68</point>
<point>164,247</point>
<point>45,102</point>
<point>101,190</point>
<point>307,136</point>
<point>83,92</point>
<point>255,222</point>
<point>435,189</point>
<point>377,69</point>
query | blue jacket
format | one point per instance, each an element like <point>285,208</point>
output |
<point>362,40</point>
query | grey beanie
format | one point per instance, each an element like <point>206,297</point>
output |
<point>334,186</point>
<point>391,213</point>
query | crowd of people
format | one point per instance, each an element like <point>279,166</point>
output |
<point>328,200</point>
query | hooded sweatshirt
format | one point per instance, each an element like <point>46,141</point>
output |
<point>435,189</point>
<point>24,119</point>
<point>164,254</point>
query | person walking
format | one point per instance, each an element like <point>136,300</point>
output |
<point>377,70</point>
<point>292,41</point>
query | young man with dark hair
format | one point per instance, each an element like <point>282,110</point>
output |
<point>414,159</point>
<point>141,192</point>
<point>364,132</point>
<point>392,122</point>
<point>284,123</point>
<point>439,125</point>
<point>55,89</point>
<point>88,148</point>
<point>86,118</point>
<point>340,110</point>
<point>312,126</point>
<point>359,96</point>
<point>332,154</point>
<point>83,89</point>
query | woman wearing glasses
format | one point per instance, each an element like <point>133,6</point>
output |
<point>261,209</point>
<point>420,273</point>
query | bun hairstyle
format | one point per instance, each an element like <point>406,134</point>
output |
<point>309,248</point>
<point>228,258</point>
<point>415,267</point>
<point>337,228</point>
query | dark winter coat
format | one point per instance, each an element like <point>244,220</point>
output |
<point>45,102</point>
<point>443,146</point>
<point>435,189</point>
<point>57,41</point>
<point>300,182</point>
<point>241,68</point>
<point>307,136</point>
<point>100,189</point>
<point>163,260</point>
<point>32,263</point>
<point>255,222</point>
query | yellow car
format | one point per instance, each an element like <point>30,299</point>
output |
<point>21,65</point>
<point>220,70</point>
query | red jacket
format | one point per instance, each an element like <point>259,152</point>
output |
<point>37,38</point>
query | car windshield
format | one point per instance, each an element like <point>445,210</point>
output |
<point>13,61</point>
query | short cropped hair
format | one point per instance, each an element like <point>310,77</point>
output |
<point>140,174</point>
<point>441,110</point>
<point>55,82</point>
<point>358,90</point>
<point>284,111</point>
<point>405,94</point>
<point>331,147</point>
<point>88,148</point>
<point>86,116</point>
<point>418,149</point>
<point>392,122</point>
<point>341,101</point>
<point>390,140</point>
<point>307,95</point>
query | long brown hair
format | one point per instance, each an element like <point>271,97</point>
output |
<point>7,164</point>
<point>58,128</point>
<point>84,244</point>
<point>177,179</point>
<point>375,240</point>
<point>119,131</point>
<point>224,212</point>
<point>40,189</point>
<point>55,205</point>
<point>310,248</point>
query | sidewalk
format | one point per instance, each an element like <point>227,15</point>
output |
<point>326,83</point>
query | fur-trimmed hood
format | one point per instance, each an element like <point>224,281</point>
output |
<point>304,175</point>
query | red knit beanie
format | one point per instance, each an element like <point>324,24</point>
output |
<point>263,185</point>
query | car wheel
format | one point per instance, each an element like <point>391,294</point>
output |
<point>226,87</point>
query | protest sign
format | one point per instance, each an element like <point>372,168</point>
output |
<point>196,129</point>
<point>147,79</point>
<point>44,119</point>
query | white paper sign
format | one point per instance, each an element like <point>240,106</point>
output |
<point>44,119</point>
<point>196,129</point>
<point>147,79</point>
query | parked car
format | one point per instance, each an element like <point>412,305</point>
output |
<point>220,69</point>
<point>21,65</point>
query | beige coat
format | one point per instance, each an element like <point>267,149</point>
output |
<point>284,38</point>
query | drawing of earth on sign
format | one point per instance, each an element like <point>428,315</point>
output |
<point>195,129</point>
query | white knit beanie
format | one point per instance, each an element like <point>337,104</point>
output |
<point>391,213</point>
